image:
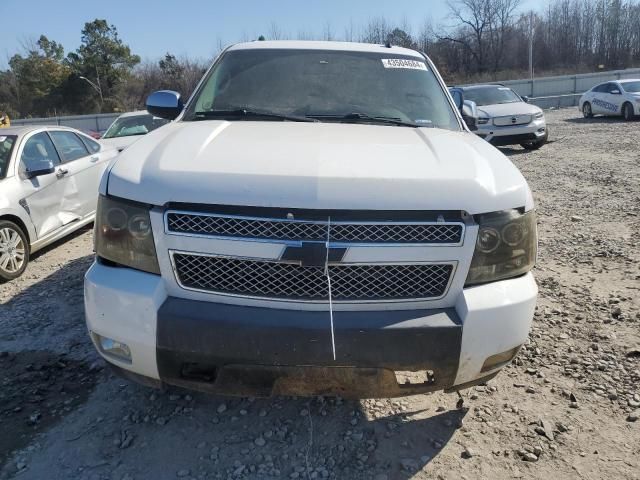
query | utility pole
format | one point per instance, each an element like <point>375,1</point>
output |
<point>531,33</point>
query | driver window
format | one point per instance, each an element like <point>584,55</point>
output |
<point>611,87</point>
<point>38,149</point>
<point>69,145</point>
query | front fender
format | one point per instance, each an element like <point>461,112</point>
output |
<point>21,213</point>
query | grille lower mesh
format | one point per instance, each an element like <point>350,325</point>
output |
<point>240,227</point>
<point>259,278</point>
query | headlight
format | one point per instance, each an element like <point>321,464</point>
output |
<point>505,248</point>
<point>123,234</point>
<point>539,115</point>
<point>483,120</point>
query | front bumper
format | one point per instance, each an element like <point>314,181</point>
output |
<point>233,349</point>
<point>510,135</point>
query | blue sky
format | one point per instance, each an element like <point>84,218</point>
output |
<point>196,27</point>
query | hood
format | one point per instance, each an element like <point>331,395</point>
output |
<point>504,109</point>
<point>318,166</point>
<point>119,143</point>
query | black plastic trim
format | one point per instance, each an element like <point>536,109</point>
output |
<point>216,336</point>
<point>319,214</point>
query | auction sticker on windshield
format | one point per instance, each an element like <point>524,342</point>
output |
<point>403,63</point>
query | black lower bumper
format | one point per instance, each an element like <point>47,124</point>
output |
<point>515,139</point>
<point>241,350</point>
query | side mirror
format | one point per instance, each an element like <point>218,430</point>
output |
<point>165,104</point>
<point>525,99</point>
<point>615,92</point>
<point>470,114</point>
<point>37,168</point>
<point>458,97</point>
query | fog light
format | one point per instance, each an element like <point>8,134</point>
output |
<point>500,360</point>
<point>112,348</point>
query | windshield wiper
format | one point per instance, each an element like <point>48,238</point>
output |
<point>247,113</point>
<point>355,116</point>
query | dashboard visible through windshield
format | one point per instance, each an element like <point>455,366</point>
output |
<point>491,95</point>
<point>134,125</point>
<point>327,86</point>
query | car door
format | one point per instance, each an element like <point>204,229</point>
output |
<point>42,195</point>
<point>80,195</point>
<point>598,101</point>
<point>99,161</point>
<point>614,98</point>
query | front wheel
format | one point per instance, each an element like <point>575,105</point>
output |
<point>14,250</point>
<point>627,112</point>
<point>586,110</point>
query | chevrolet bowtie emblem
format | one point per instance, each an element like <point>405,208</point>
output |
<point>313,254</point>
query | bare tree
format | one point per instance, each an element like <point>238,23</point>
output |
<point>349,32</point>
<point>328,33</point>
<point>275,32</point>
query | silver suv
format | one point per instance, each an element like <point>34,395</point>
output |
<point>506,118</point>
<point>49,180</point>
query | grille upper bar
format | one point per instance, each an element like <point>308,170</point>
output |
<point>442,233</point>
<point>275,280</point>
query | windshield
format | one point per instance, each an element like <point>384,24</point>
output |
<point>6,146</point>
<point>491,95</point>
<point>134,125</point>
<point>631,87</point>
<point>364,87</point>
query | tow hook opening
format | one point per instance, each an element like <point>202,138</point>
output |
<point>199,372</point>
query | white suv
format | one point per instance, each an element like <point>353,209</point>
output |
<point>506,118</point>
<point>317,220</point>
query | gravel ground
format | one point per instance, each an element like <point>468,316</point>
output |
<point>567,407</point>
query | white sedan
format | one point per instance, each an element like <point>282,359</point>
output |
<point>49,179</point>
<point>128,127</point>
<point>618,98</point>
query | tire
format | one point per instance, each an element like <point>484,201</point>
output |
<point>14,251</point>
<point>586,110</point>
<point>627,112</point>
<point>535,145</point>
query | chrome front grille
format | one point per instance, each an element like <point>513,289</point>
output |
<point>290,281</point>
<point>187,223</point>
<point>512,120</point>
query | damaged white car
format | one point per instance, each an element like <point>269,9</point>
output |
<point>49,179</point>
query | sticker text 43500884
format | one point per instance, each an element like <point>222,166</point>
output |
<point>403,63</point>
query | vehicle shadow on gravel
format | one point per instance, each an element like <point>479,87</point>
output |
<point>175,431</point>
<point>510,151</point>
<point>38,390</point>
<point>56,393</point>
<point>47,365</point>
<point>603,119</point>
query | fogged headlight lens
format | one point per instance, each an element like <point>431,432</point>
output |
<point>124,236</point>
<point>505,248</point>
<point>539,115</point>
